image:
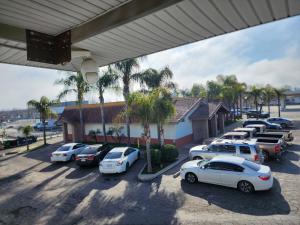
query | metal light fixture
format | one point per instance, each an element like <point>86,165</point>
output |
<point>89,70</point>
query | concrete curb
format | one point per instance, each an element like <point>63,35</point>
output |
<point>149,177</point>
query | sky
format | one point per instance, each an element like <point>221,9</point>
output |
<point>265,54</point>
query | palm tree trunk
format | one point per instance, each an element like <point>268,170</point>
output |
<point>81,123</point>
<point>241,105</point>
<point>234,112</point>
<point>269,110</point>
<point>278,104</point>
<point>127,125</point>
<point>162,136</point>
<point>256,103</point>
<point>126,94</point>
<point>44,132</point>
<point>148,142</point>
<point>102,116</point>
<point>158,134</point>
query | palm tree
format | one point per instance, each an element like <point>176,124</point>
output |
<point>163,109</point>
<point>198,90</point>
<point>255,92</point>
<point>141,107</point>
<point>241,89</point>
<point>74,83</point>
<point>214,90</point>
<point>279,93</point>
<point>126,73</point>
<point>108,80</point>
<point>153,78</point>
<point>43,107</point>
<point>269,94</point>
<point>26,132</point>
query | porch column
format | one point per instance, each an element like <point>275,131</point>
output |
<point>221,122</point>
<point>65,132</point>
<point>214,126</point>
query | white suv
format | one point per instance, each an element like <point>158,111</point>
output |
<point>242,148</point>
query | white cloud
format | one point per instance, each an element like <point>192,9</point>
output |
<point>227,54</point>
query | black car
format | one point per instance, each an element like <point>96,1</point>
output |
<point>92,154</point>
<point>257,114</point>
<point>271,126</point>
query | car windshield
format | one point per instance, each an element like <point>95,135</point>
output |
<point>202,163</point>
<point>113,155</point>
<point>251,165</point>
<point>89,150</point>
<point>63,148</point>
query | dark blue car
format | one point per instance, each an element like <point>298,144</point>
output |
<point>285,123</point>
<point>271,126</point>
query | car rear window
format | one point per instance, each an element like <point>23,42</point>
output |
<point>113,155</point>
<point>63,148</point>
<point>251,165</point>
<point>89,150</point>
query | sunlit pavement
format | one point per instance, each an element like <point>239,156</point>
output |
<point>34,191</point>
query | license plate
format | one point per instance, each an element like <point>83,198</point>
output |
<point>83,160</point>
<point>109,165</point>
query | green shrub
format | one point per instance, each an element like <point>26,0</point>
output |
<point>155,156</point>
<point>155,146</point>
<point>169,153</point>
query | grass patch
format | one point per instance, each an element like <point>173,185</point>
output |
<point>157,168</point>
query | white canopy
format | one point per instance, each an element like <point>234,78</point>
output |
<point>113,30</point>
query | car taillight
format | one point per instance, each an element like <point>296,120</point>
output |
<point>277,148</point>
<point>90,157</point>
<point>256,157</point>
<point>77,158</point>
<point>264,177</point>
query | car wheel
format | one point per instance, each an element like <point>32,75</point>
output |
<point>191,178</point>
<point>245,186</point>
<point>197,158</point>
<point>266,156</point>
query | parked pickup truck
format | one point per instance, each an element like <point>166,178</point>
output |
<point>269,147</point>
<point>288,135</point>
<point>272,136</point>
<point>251,131</point>
<point>235,136</point>
<point>242,148</point>
<point>260,128</point>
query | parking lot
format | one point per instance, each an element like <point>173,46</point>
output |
<point>34,191</point>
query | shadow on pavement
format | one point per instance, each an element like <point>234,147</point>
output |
<point>261,203</point>
<point>287,163</point>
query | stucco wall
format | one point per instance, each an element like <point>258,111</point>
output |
<point>136,130</point>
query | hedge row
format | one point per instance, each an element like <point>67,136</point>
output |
<point>168,153</point>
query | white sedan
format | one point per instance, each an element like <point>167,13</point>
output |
<point>66,152</point>
<point>119,160</point>
<point>229,171</point>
